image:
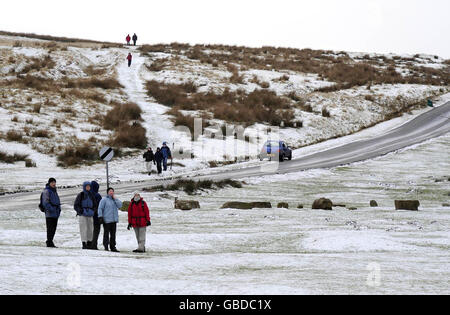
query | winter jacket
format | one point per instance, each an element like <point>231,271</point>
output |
<point>129,57</point>
<point>149,156</point>
<point>138,213</point>
<point>159,157</point>
<point>94,188</point>
<point>128,38</point>
<point>166,152</point>
<point>51,202</point>
<point>109,209</point>
<point>86,204</point>
<point>135,38</point>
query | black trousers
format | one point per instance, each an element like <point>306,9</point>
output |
<point>159,167</point>
<point>97,228</point>
<point>109,234</point>
<point>129,63</point>
<point>52,224</point>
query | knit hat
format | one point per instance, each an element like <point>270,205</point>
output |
<point>51,180</point>
<point>136,193</point>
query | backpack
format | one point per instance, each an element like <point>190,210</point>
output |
<point>41,206</point>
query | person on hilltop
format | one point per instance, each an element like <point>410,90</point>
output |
<point>51,205</point>
<point>128,39</point>
<point>86,207</point>
<point>149,157</point>
<point>129,58</point>
<point>135,38</point>
<point>139,219</point>
<point>108,215</point>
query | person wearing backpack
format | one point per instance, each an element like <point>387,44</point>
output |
<point>86,206</point>
<point>135,38</point>
<point>149,158</point>
<point>108,215</point>
<point>51,205</point>
<point>97,226</point>
<point>139,219</point>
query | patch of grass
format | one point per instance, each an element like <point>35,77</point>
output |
<point>13,135</point>
<point>130,136</point>
<point>76,155</point>
<point>106,84</point>
<point>122,114</point>
<point>12,158</point>
<point>190,186</point>
<point>42,133</point>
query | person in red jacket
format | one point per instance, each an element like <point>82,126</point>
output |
<point>139,219</point>
<point>129,58</point>
<point>128,39</point>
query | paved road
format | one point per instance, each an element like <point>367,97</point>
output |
<point>431,124</point>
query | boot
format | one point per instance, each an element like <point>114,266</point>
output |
<point>85,245</point>
<point>89,245</point>
<point>138,251</point>
<point>114,250</point>
<point>50,244</point>
<point>106,248</point>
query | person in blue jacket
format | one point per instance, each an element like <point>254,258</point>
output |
<point>108,214</point>
<point>158,160</point>
<point>97,226</point>
<point>165,150</point>
<point>52,207</point>
<point>86,206</point>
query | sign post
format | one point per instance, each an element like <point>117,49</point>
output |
<point>106,154</point>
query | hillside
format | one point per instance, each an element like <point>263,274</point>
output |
<point>62,100</point>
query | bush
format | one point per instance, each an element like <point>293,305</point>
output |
<point>122,114</point>
<point>190,186</point>
<point>130,136</point>
<point>325,112</point>
<point>12,158</point>
<point>41,134</point>
<point>106,84</point>
<point>76,155</point>
<point>13,135</point>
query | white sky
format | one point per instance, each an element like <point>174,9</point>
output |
<point>399,26</point>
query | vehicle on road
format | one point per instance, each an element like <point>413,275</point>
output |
<point>276,149</point>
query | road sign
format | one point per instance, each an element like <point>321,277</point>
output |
<point>106,154</point>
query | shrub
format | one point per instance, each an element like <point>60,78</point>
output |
<point>106,84</point>
<point>130,136</point>
<point>13,135</point>
<point>41,134</point>
<point>122,114</point>
<point>12,158</point>
<point>37,108</point>
<point>325,112</point>
<point>75,155</point>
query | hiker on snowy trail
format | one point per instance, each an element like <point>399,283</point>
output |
<point>128,38</point>
<point>51,205</point>
<point>135,38</point>
<point>139,219</point>
<point>149,157</point>
<point>108,214</point>
<point>129,58</point>
<point>159,159</point>
<point>97,226</point>
<point>165,150</point>
<point>86,206</point>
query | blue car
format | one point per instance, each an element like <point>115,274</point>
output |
<point>276,149</point>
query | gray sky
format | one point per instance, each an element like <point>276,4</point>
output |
<point>399,26</point>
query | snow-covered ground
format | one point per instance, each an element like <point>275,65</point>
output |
<point>260,251</point>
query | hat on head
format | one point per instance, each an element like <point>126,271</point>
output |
<point>51,180</point>
<point>136,193</point>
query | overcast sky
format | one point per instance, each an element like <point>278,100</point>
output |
<point>399,26</point>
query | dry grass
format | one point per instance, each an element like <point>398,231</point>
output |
<point>12,158</point>
<point>39,64</point>
<point>130,136</point>
<point>122,114</point>
<point>76,155</point>
<point>106,84</point>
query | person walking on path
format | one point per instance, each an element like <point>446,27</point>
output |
<point>130,59</point>
<point>135,38</point>
<point>139,219</point>
<point>165,150</point>
<point>86,206</point>
<point>108,214</point>
<point>97,226</point>
<point>159,159</point>
<point>128,39</point>
<point>149,157</point>
<point>51,205</point>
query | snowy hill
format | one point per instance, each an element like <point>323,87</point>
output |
<point>60,102</point>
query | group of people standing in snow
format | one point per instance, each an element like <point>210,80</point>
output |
<point>93,212</point>
<point>128,39</point>
<point>160,158</point>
